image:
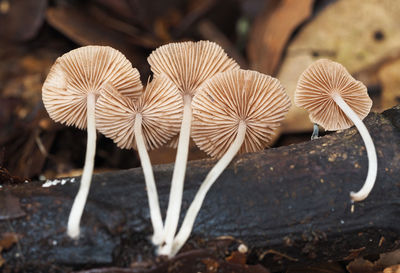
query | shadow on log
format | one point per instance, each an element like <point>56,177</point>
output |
<point>288,205</point>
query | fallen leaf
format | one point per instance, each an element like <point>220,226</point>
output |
<point>8,239</point>
<point>388,76</point>
<point>389,259</point>
<point>361,265</point>
<point>271,32</point>
<point>78,25</point>
<point>209,31</point>
<point>392,269</point>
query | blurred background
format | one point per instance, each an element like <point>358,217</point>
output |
<point>276,37</point>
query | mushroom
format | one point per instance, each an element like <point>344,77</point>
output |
<point>143,124</point>
<point>69,96</point>
<point>235,112</point>
<point>188,65</point>
<point>335,100</point>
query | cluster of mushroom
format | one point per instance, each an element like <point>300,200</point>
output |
<point>197,91</point>
<point>97,87</point>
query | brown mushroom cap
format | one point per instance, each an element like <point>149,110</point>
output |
<point>189,64</point>
<point>234,96</point>
<point>82,71</point>
<point>316,86</point>
<point>160,106</point>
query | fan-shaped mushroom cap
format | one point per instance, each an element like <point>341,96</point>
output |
<point>173,143</point>
<point>160,106</point>
<point>189,64</point>
<point>230,97</point>
<point>82,71</point>
<point>316,88</point>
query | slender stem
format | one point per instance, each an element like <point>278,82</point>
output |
<point>80,199</point>
<point>155,213</point>
<point>315,132</point>
<point>178,176</point>
<point>369,145</point>
<point>212,176</point>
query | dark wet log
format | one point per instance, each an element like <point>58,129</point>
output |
<point>289,204</point>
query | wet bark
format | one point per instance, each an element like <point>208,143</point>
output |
<point>288,205</point>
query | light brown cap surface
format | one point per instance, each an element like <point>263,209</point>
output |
<point>82,71</point>
<point>160,106</point>
<point>316,86</point>
<point>189,64</point>
<point>234,96</point>
<point>173,143</point>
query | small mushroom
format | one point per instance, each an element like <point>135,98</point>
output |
<point>188,65</point>
<point>335,100</point>
<point>234,112</point>
<point>143,124</point>
<point>69,96</point>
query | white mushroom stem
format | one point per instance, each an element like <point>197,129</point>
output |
<point>372,159</point>
<point>155,213</point>
<point>178,176</point>
<point>75,215</point>
<point>211,177</point>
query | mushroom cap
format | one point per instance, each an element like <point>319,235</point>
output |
<point>316,88</point>
<point>189,64</point>
<point>82,71</point>
<point>173,143</point>
<point>160,106</point>
<point>230,97</point>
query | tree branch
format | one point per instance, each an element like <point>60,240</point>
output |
<point>289,204</point>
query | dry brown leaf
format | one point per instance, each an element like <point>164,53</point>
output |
<point>76,24</point>
<point>392,269</point>
<point>361,265</point>
<point>363,36</point>
<point>140,13</point>
<point>210,31</point>
<point>390,81</point>
<point>8,239</point>
<point>272,30</point>
<point>389,261</point>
